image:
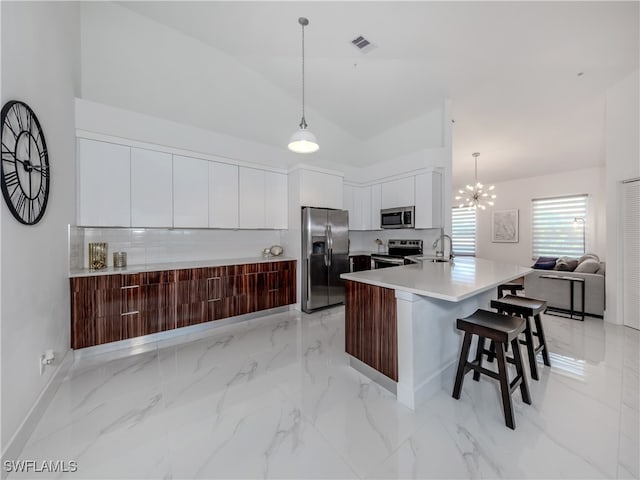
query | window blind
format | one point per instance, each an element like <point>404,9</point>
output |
<point>463,230</point>
<point>556,233</point>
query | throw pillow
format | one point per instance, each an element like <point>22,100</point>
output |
<point>545,263</point>
<point>566,264</point>
<point>588,256</point>
<point>588,266</point>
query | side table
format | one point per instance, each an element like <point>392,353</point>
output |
<point>572,281</point>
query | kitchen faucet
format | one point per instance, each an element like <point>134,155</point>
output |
<point>441,240</point>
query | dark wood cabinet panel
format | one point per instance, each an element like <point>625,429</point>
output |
<point>107,308</point>
<point>95,310</point>
<point>371,327</point>
<point>361,263</point>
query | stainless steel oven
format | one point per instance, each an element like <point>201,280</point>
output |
<point>402,217</point>
<point>398,250</point>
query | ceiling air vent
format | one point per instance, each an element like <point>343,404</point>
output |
<point>362,44</point>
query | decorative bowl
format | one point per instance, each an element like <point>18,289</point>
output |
<point>276,250</point>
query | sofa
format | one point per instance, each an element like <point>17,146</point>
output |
<point>557,292</point>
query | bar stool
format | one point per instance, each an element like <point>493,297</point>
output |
<point>527,308</point>
<point>502,330</point>
<point>512,287</point>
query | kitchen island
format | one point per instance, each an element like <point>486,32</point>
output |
<point>400,322</point>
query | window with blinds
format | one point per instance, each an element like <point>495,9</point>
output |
<point>559,226</point>
<point>463,230</point>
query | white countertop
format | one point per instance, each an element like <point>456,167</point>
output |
<point>453,282</point>
<point>155,267</point>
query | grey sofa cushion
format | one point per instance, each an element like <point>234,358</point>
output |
<point>587,256</point>
<point>566,264</point>
<point>588,266</point>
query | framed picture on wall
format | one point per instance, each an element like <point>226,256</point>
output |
<point>504,226</point>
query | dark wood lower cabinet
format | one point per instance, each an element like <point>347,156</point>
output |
<point>361,263</point>
<point>108,308</point>
<point>371,327</point>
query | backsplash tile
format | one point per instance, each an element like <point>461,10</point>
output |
<point>146,246</point>
<point>366,241</point>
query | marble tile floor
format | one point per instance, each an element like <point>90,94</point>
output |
<point>275,398</point>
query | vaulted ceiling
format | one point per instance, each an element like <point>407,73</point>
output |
<point>527,80</point>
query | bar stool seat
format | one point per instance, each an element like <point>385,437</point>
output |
<point>527,308</point>
<point>502,330</point>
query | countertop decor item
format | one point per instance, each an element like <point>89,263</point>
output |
<point>119,259</point>
<point>303,141</point>
<point>276,250</point>
<point>25,175</point>
<point>266,252</point>
<point>97,255</point>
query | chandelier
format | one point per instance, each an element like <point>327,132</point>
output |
<point>475,196</point>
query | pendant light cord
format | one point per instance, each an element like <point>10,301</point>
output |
<point>303,122</point>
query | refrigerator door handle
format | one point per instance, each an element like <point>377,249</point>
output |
<point>330,244</point>
<point>326,248</point>
<point>308,282</point>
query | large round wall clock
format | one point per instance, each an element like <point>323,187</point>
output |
<point>25,176</point>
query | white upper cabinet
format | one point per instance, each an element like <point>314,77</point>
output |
<point>104,179</point>
<point>398,193</point>
<point>275,205</point>
<point>223,195</point>
<point>319,189</point>
<point>263,199</point>
<point>252,196</point>
<point>190,192</point>
<point>375,206</point>
<point>428,188</point>
<point>151,189</point>
<point>358,201</point>
<point>348,204</point>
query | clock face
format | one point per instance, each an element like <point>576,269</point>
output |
<point>25,175</point>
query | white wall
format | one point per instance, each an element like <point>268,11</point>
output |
<point>130,61</point>
<point>622,127</point>
<point>519,193</point>
<point>40,65</point>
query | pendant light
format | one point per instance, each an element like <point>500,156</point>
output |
<point>475,196</point>
<point>303,141</point>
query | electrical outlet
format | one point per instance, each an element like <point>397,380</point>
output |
<point>42,363</point>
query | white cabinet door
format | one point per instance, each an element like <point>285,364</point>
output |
<point>190,192</point>
<point>104,179</point>
<point>275,202</point>
<point>398,193</point>
<point>364,208</point>
<point>322,190</point>
<point>223,195</point>
<point>428,188</point>
<point>357,200</point>
<point>347,202</point>
<point>376,205</point>
<point>151,189</point>
<point>252,196</point>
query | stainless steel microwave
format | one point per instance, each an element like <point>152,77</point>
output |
<point>402,217</point>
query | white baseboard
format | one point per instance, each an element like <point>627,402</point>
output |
<point>443,378</point>
<point>14,447</point>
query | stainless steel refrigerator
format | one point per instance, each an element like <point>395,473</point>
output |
<point>325,255</point>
